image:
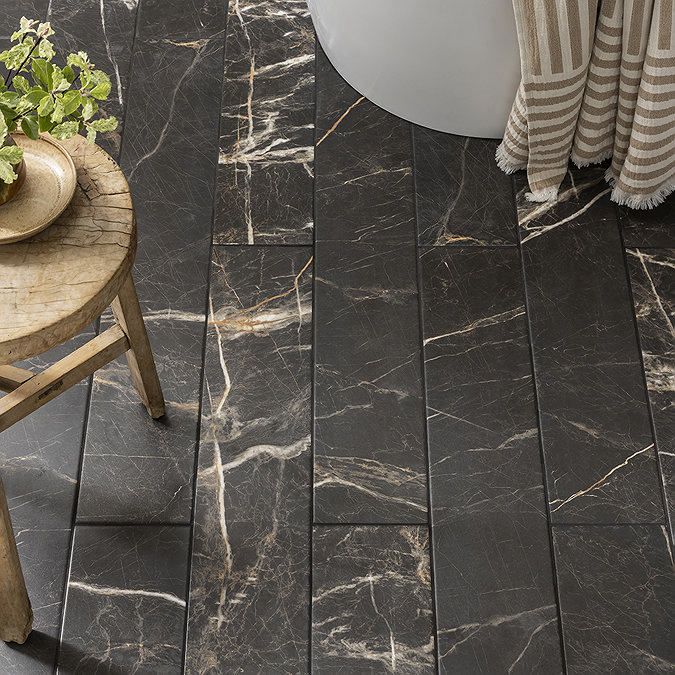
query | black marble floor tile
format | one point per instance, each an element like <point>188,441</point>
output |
<point>462,196</point>
<point>125,608</point>
<point>653,281</point>
<point>650,227</point>
<point>105,31</point>
<point>249,603</point>
<point>265,176</point>
<point>617,598</point>
<point>495,600</point>
<point>369,455</point>
<point>363,159</point>
<point>181,20</point>
<point>598,446</point>
<point>39,461</point>
<point>371,600</point>
<point>11,12</point>
<point>170,159</point>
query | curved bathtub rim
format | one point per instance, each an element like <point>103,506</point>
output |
<point>477,92</point>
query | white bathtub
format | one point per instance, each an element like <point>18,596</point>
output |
<point>451,65</point>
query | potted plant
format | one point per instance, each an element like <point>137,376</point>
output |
<point>39,97</point>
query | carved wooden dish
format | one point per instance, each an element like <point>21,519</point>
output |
<point>47,190</point>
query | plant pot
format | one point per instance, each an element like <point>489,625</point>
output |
<point>8,190</point>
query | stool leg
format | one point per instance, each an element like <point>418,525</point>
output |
<point>16,616</point>
<point>127,312</point>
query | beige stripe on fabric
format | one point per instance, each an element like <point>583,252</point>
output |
<point>574,28</point>
<point>666,19</point>
<point>554,42</point>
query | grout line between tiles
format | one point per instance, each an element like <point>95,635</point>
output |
<point>202,374</point>
<point>423,372</point>
<point>650,410</point>
<point>547,507</point>
<point>73,516</point>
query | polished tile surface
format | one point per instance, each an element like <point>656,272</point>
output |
<point>414,422</point>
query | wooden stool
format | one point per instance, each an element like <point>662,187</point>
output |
<point>52,286</point>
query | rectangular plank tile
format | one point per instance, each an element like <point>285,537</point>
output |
<point>650,227</point>
<point>653,282</point>
<point>169,158</point>
<point>11,13</point>
<point>249,599</point>
<point>617,598</point>
<point>369,455</point>
<point>125,609</point>
<point>105,31</point>
<point>364,186</point>
<point>39,462</point>
<point>598,446</point>
<point>181,20</point>
<point>371,600</point>
<point>265,171</point>
<point>463,198</point>
<point>495,599</point>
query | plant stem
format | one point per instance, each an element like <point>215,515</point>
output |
<point>18,70</point>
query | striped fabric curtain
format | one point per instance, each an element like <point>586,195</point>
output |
<point>598,81</point>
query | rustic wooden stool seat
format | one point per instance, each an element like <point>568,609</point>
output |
<point>52,286</point>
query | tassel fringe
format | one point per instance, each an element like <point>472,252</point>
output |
<point>549,194</point>
<point>505,161</point>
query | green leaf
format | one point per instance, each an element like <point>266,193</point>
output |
<point>45,29</point>
<point>89,109</point>
<point>65,130</point>
<point>59,83</point>
<point>12,153</point>
<point>46,49</point>
<point>71,102</point>
<point>30,127</point>
<point>46,105</point>
<point>79,60</point>
<point>15,56</point>
<point>58,113</point>
<point>6,172</point>
<point>8,98</point>
<point>3,129</point>
<point>69,74</point>
<point>101,91</point>
<point>104,124</point>
<point>91,135</point>
<point>21,84</point>
<point>43,72</point>
<point>44,124</point>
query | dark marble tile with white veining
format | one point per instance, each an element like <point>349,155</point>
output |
<point>169,158</point>
<point>617,598</point>
<point>39,460</point>
<point>136,469</point>
<point>265,175</point>
<point>249,603</point>
<point>463,198</point>
<point>653,282</point>
<point>495,601</point>
<point>369,454</point>
<point>11,12</point>
<point>371,600</point>
<point>125,608</point>
<point>105,31</point>
<point>649,227</point>
<point>364,183</point>
<point>182,20</point>
<point>598,446</point>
